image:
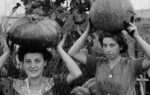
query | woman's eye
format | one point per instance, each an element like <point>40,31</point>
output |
<point>27,61</point>
<point>37,61</point>
<point>112,45</point>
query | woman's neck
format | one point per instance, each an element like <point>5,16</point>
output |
<point>35,83</point>
<point>114,61</point>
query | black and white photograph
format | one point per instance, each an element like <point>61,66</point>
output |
<point>74,47</point>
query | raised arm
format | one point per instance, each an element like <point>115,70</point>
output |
<point>75,49</point>
<point>143,44</point>
<point>74,70</point>
<point>4,56</point>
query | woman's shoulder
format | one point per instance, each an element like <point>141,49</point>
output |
<point>131,60</point>
<point>126,60</point>
<point>20,85</point>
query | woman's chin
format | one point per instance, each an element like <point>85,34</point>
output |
<point>33,75</point>
<point>111,57</point>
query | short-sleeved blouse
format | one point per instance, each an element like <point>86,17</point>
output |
<point>117,81</point>
<point>51,86</point>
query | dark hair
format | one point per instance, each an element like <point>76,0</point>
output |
<point>24,50</point>
<point>119,38</point>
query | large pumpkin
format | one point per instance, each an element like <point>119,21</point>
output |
<point>109,15</point>
<point>35,32</point>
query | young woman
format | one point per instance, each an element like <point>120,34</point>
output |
<point>115,75</point>
<point>34,60</point>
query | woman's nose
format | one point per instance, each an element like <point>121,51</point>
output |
<point>108,49</point>
<point>33,64</point>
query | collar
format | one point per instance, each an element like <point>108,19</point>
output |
<point>22,86</point>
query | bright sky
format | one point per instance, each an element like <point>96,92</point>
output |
<point>141,4</point>
<point>7,5</point>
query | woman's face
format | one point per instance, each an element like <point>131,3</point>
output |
<point>111,48</point>
<point>33,64</point>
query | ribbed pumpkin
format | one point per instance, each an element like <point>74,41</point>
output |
<point>34,31</point>
<point>109,15</point>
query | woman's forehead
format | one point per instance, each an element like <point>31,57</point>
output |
<point>109,40</point>
<point>33,55</point>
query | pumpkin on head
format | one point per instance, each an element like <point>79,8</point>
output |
<point>35,31</point>
<point>109,15</point>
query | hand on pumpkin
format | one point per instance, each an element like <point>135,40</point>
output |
<point>10,45</point>
<point>61,43</point>
<point>132,29</point>
<point>5,47</point>
<point>91,28</point>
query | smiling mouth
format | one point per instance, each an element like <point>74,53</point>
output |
<point>33,71</point>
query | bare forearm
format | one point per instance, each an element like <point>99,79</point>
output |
<point>78,44</point>
<point>70,63</point>
<point>144,45</point>
<point>3,58</point>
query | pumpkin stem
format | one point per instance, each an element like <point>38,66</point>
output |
<point>34,17</point>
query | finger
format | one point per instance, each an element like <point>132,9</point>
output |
<point>124,32</point>
<point>132,25</point>
<point>130,29</point>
